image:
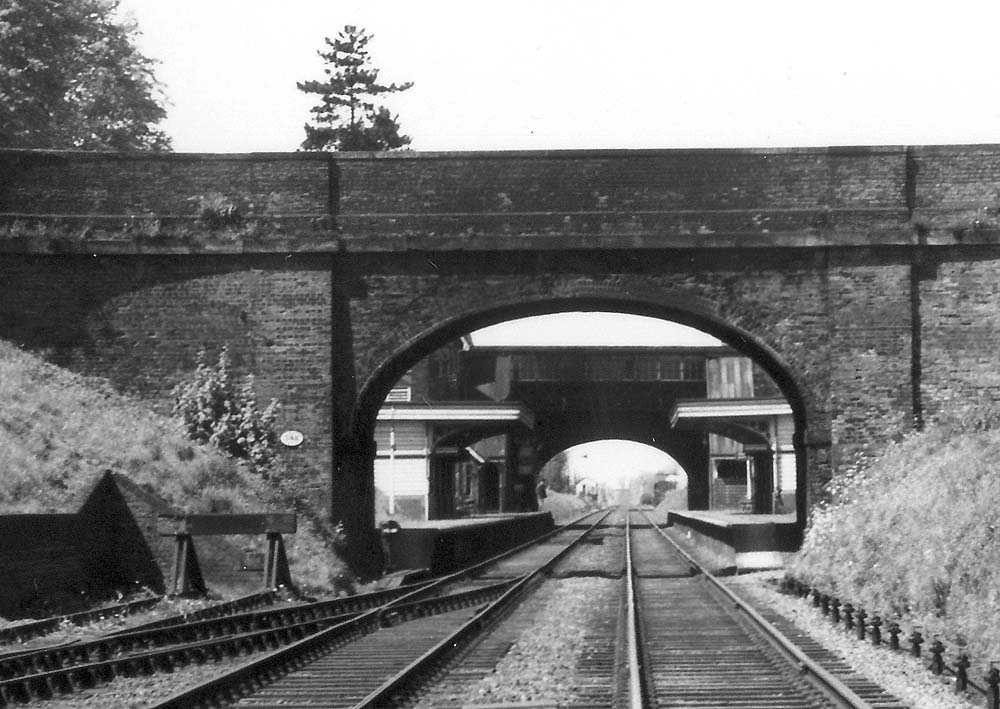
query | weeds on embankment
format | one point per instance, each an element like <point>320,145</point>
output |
<point>914,535</point>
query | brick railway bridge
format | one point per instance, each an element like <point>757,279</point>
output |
<point>864,280</point>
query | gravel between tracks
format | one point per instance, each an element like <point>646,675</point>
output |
<point>899,673</point>
<point>67,632</point>
<point>542,663</point>
<point>141,692</point>
<point>608,556</point>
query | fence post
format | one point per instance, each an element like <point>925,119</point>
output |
<point>876,630</point>
<point>937,662</point>
<point>276,571</point>
<point>962,673</point>
<point>894,631</point>
<point>187,571</point>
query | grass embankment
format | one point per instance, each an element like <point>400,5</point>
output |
<point>914,535</point>
<point>59,432</point>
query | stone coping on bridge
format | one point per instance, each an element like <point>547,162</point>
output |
<point>836,150</point>
<point>335,244</point>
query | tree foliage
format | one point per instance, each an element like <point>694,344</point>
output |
<point>216,409</point>
<point>557,474</point>
<point>348,116</point>
<point>72,77</point>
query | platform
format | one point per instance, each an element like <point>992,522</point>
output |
<point>445,545</point>
<point>753,542</point>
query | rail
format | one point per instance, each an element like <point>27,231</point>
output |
<point>635,693</point>
<point>434,585</point>
<point>35,628</point>
<point>833,688</point>
<point>467,631</point>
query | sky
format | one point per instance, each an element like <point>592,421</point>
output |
<point>584,74</point>
<point>614,462</point>
<point>589,328</point>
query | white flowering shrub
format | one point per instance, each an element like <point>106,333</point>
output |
<point>215,409</point>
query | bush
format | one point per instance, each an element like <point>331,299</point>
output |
<point>564,506</point>
<point>215,410</point>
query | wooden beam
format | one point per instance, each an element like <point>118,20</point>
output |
<point>214,524</point>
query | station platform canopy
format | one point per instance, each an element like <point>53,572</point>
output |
<point>468,414</point>
<point>733,418</point>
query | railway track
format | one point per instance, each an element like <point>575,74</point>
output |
<point>607,613</point>
<point>20,632</point>
<point>368,659</point>
<point>703,646</point>
<point>663,634</point>
<point>240,627</point>
<point>254,625</point>
<point>660,632</point>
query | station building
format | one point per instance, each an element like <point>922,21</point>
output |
<point>467,430</point>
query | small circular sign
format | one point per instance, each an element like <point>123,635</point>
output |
<point>292,438</point>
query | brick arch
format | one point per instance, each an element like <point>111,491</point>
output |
<point>686,309</point>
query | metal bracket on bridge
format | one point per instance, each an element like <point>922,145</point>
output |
<point>187,576</point>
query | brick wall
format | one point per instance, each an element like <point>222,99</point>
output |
<point>675,191</point>
<point>871,393</point>
<point>69,183</point>
<point>57,563</point>
<point>42,562</point>
<point>960,316</point>
<point>141,321</point>
<point>65,562</point>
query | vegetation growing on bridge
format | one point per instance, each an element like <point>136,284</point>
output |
<point>914,534</point>
<point>59,431</point>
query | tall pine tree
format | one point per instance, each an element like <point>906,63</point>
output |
<point>347,116</point>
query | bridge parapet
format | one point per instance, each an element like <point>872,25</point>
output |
<point>594,199</point>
